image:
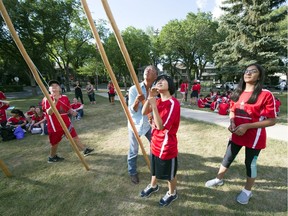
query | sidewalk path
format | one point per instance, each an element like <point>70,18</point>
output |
<point>278,131</point>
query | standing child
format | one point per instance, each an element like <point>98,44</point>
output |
<point>277,105</point>
<point>55,130</point>
<point>252,109</point>
<point>164,144</point>
<point>3,106</point>
<point>111,92</point>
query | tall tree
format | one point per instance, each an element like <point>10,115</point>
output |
<point>190,42</point>
<point>138,47</point>
<point>253,34</point>
<point>36,26</point>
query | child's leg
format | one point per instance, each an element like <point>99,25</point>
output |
<point>153,181</point>
<point>172,185</point>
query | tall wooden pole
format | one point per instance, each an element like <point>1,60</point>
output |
<point>113,78</point>
<point>38,80</point>
<point>121,45</point>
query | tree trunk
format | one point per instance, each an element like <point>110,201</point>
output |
<point>66,75</point>
<point>33,85</point>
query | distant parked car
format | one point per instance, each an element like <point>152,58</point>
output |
<point>218,85</point>
<point>230,85</point>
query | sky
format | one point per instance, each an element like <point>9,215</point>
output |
<point>156,13</point>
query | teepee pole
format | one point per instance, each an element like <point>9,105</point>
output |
<point>37,79</point>
<point>113,78</point>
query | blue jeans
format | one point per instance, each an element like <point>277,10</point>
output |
<point>133,151</point>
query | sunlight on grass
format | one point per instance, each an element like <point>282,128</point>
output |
<point>39,188</point>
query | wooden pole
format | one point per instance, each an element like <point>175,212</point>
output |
<point>38,80</point>
<point>121,45</point>
<point>5,169</point>
<point>113,78</point>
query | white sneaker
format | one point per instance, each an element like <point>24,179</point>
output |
<point>214,182</point>
<point>215,110</point>
<point>242,198</point>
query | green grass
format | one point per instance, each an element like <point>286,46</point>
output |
<point>38,188</point>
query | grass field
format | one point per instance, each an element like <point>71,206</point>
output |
<point>38,188</point>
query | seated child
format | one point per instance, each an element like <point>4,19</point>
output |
<point>222,99</point>
<point>17,119</point>
<point>38,120</point>
<point>202,103</point>
<point>223,108</point>
<point>30,113</point>
<point>78,107</point>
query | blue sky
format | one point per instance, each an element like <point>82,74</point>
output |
<point>156,13</point>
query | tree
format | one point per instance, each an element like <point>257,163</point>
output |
<point>37,27</point>
<point>252,34</point>
<point>190,42</point>
<point>138,47</point>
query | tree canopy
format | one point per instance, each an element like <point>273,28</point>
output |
<point>252,29</point>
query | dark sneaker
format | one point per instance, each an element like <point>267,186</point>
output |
<point>87,151</point>
<point>54,159</point>
<point>149,190</point>
<point>167,199</point>
<point>135,179</point>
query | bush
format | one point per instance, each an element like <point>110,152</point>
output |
<point>11,88</point>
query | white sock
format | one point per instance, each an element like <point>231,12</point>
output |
<point>218,180</point>
<point>174,193</point>
<point>247,192</point>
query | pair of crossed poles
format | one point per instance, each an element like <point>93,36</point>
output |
<point>106,63</point>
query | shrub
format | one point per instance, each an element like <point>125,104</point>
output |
<point>11,88</point>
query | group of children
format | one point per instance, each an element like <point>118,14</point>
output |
<point>34,120</point>
<point>220,103</point>
<point>216,101</point>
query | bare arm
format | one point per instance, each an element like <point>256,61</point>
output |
<point>157,119</point>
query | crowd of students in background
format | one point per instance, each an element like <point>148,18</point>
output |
<point>32,121</point>
<point>215,101</point>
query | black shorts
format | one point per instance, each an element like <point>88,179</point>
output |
<point>194,94</point>
<point>112,94</point>
<point>163,169</point>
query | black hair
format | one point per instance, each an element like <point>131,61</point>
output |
<point>171,86</point>
<point>258,86</point>
<point>18,112</point>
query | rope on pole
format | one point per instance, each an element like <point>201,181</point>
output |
<point>113,78</point>
<point>37,79</point>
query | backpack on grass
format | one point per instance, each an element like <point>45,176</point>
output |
<point>7,133</point>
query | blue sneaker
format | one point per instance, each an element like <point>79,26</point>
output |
<point>167,199</point>
<point>149,190</point>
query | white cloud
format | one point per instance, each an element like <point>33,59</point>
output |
<point>201,4</point>
<point>217,12</point>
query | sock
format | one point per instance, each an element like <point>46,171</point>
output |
<point>218,180</point>
<point>154,186</point>
<point>247,192</point>
<point>174,193</point>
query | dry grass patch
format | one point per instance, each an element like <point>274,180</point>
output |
<point>39,188</point>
